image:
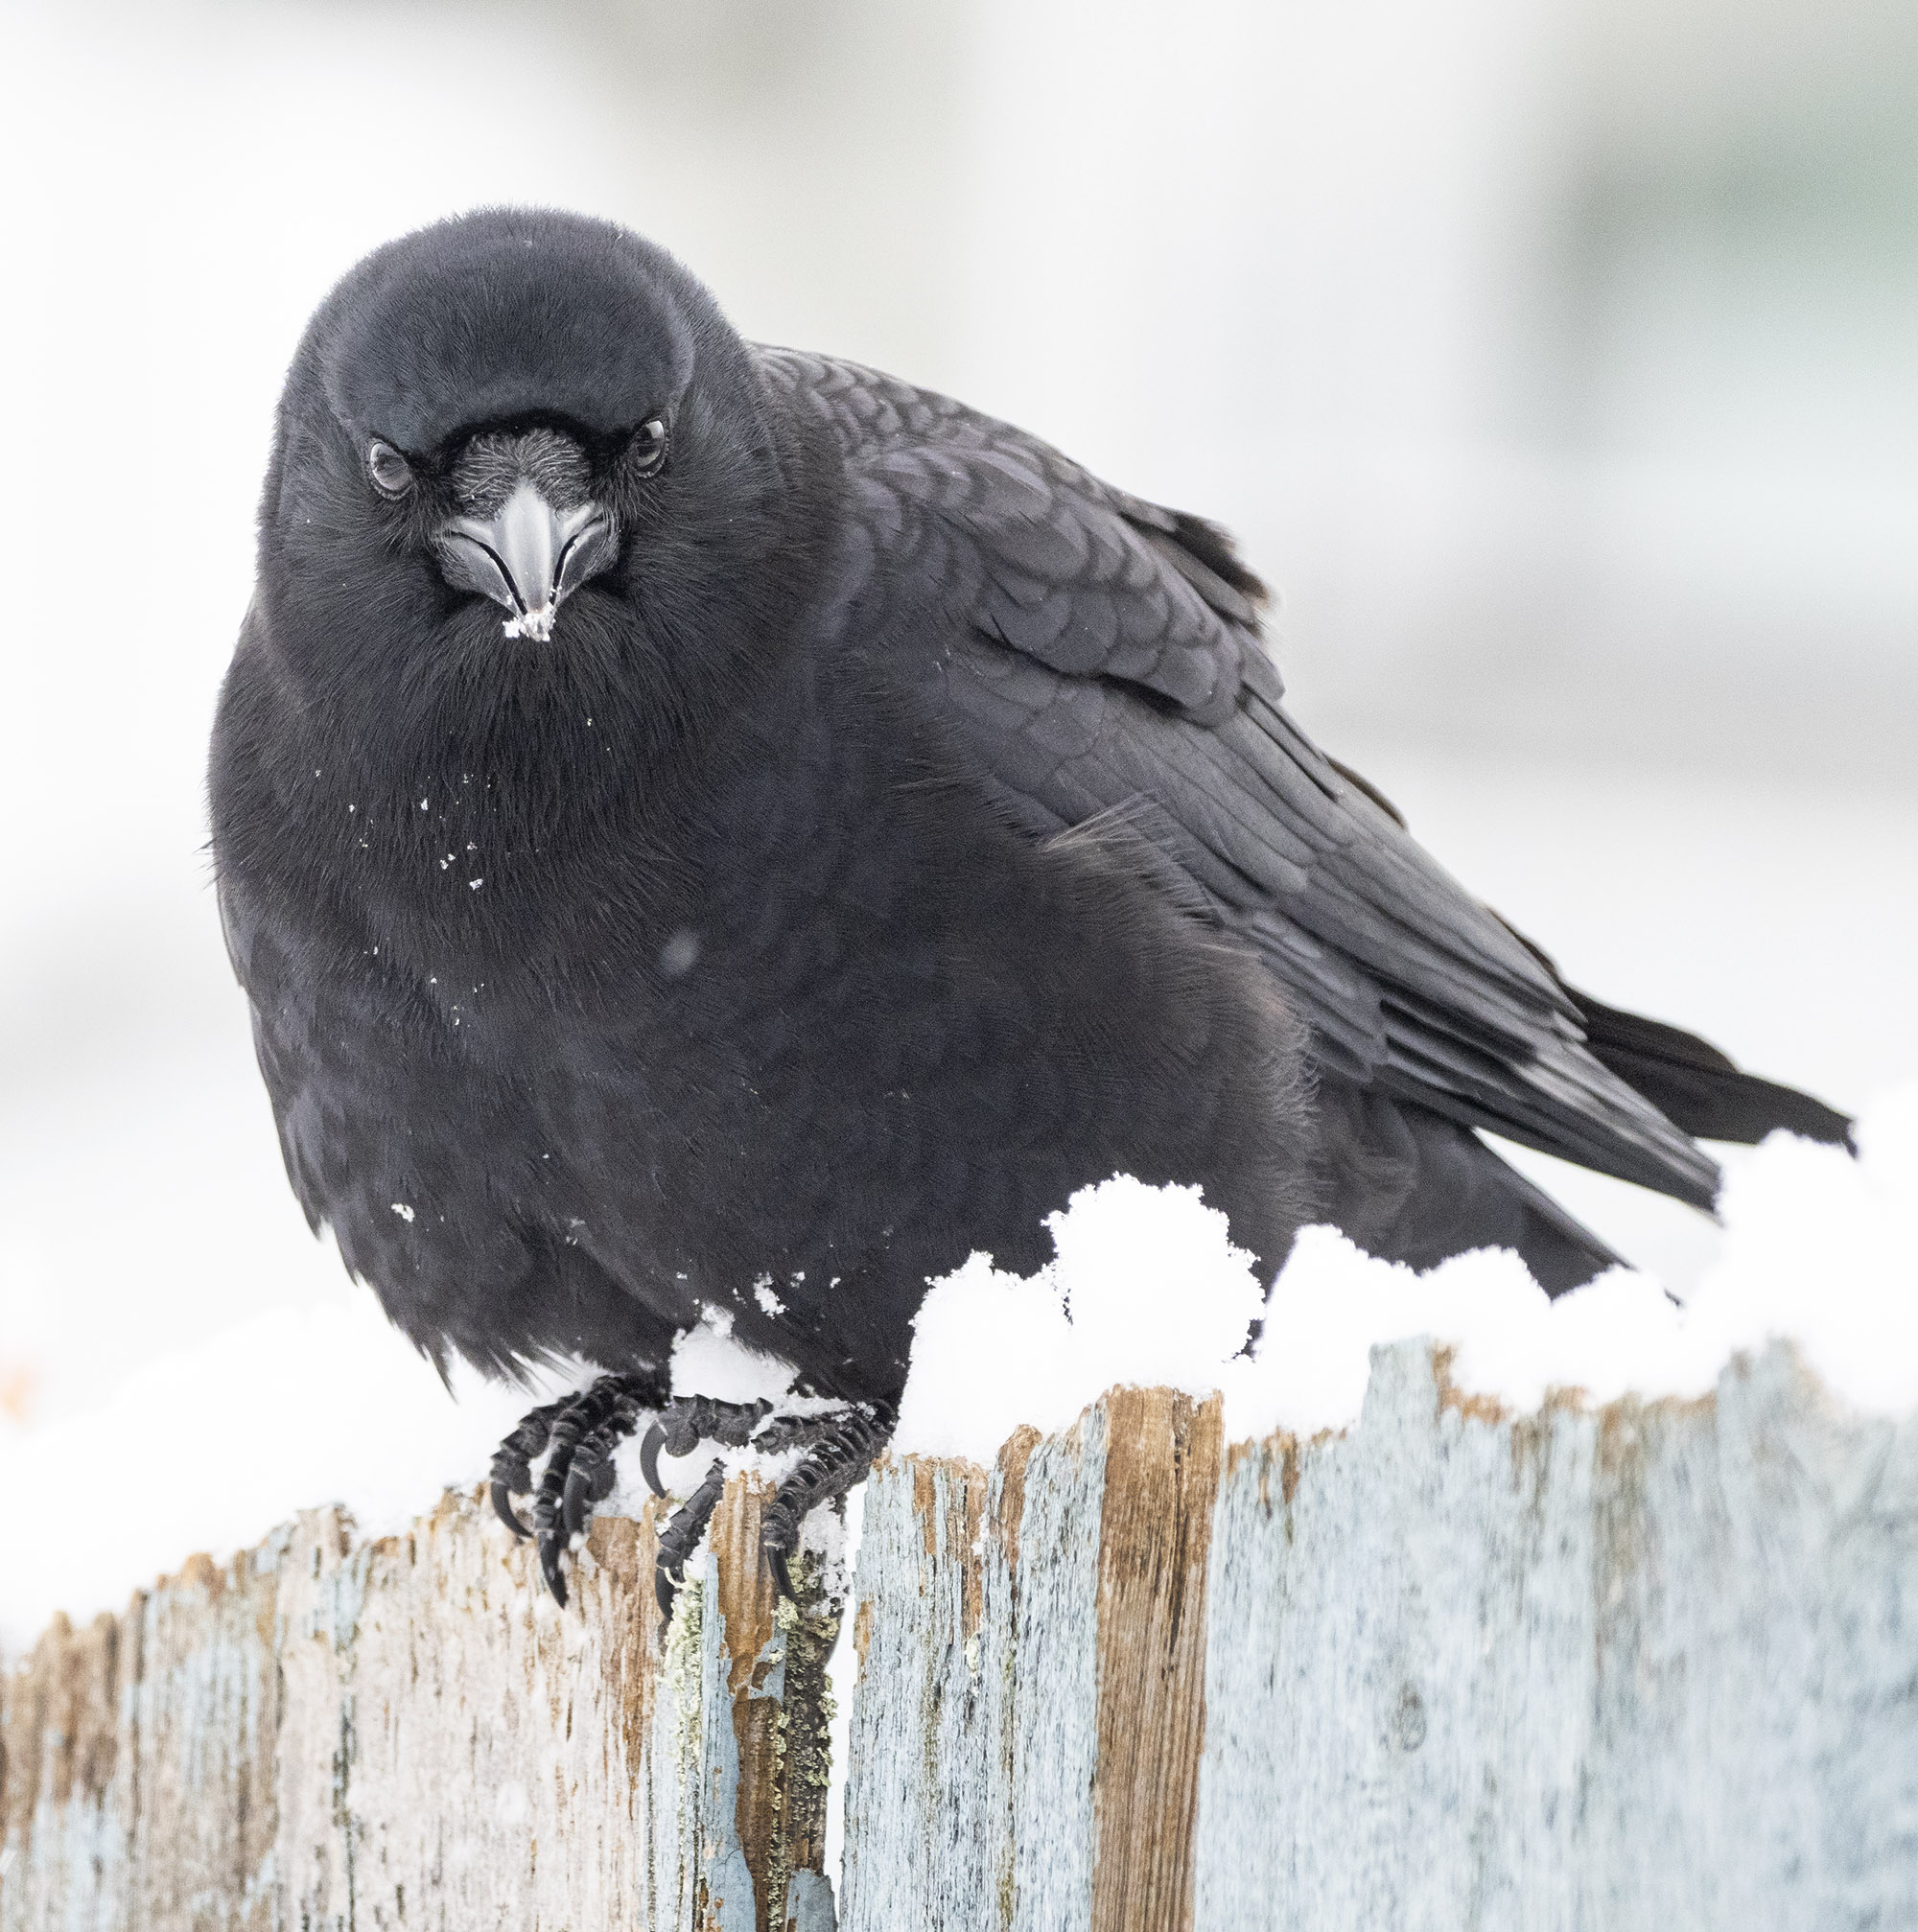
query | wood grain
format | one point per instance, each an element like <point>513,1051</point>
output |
<point>1162,1453</point>
<point>1647,1665</point>
<point>332,1733</point>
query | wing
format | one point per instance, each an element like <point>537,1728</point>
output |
<point>1100,657</point>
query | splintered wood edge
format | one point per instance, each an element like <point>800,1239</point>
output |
<point>1165,1461</point>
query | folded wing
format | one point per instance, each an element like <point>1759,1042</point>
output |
<point>1099,658</point>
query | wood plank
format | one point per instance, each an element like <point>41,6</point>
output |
<point>1633,1666</point>
<point>336,1733</point>
<point>1645,1664</point>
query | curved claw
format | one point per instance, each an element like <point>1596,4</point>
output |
<point>650,1458</point>
<point>576,1505</point>
<point>782,1575</point>
<point>550,1552</point>
<point>666,1590</point>
<point>502,1507</point>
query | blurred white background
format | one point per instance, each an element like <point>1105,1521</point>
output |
<point>1557,362</point>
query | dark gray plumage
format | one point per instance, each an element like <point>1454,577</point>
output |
<point>861,829</point>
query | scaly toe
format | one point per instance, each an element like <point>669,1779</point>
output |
<point>577,1434</point>
<point>689,1420</point>
<point>839,1455</point>
<point>681,1536</point>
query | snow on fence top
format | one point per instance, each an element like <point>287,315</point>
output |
<point>1145,1287</point>
<point>208,1449</point>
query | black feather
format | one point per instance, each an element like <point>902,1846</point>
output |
<point>1697,1086</point>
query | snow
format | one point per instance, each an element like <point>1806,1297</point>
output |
<point>707,1361</point>
<point>992,1350</point>
<point>1146,1288</point>
<point>210,1445</point>
<point>537,625</point>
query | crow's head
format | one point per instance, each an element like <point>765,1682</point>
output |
<point>517,451</point>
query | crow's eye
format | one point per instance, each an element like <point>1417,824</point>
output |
<point>392,474</point>
<point>649,446</point>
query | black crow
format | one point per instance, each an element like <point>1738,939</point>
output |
<point>705,827</point>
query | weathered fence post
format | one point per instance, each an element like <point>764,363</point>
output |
<point>1642,1666</point>
<point>1649,1666</point>
<point>336,1733</point>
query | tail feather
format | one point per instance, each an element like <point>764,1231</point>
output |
<point>1698,1088</point>
<point>1408,1184</point>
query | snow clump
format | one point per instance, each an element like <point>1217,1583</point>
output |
<point>1146,1288</point>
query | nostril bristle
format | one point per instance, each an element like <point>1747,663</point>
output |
<point>496,462</point>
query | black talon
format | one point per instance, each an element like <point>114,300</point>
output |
<point>689,1420</point>
<point>583,1414</point>
<point>547,1527</point>
<point>579,1434</point>
<point>555,1578</point>
<point>512,1460</point>
<point>575,1505</point>
<point>650,1459</point>
<point>503,1508</point>
<point>590,1479</point>
<point>782,1575</point>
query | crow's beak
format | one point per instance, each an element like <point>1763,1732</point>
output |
<point>527,556</point>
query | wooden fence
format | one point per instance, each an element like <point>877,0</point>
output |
<point>1649,1665</point>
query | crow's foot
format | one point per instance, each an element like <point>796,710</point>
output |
<point>839,1445</point>
<point>513,1460</point>
<point>579,1434</point>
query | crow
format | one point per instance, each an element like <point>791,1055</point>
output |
<point>713,830</point>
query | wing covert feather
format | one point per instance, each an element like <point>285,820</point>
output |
<point>1097,654</point>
